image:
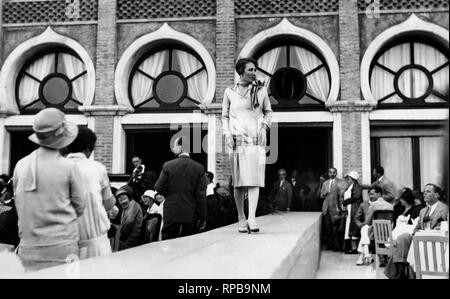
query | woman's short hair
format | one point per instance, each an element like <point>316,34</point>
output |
<point>86,139</point>
<point>241,63</point>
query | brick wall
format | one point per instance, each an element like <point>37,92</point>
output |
<point>104,132</point>
<point>351,142</point>
<point>225,58</point>
<point>105,67</point>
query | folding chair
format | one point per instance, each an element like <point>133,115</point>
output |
<point>382,230</point>
<point>438,247</point>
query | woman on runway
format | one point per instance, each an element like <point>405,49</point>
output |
<point>246,118</point>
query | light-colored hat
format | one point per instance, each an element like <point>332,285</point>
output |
<point>52,130</point>
<point>353,174</point>
<point>149,193</point>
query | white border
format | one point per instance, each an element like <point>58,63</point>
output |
<point>409,114</point>
<point>164,118</point>
<point>25,51</point>
<point>287,28</point>
<point>412,24</point>
<point>27,120</point>
<point>135,50</point>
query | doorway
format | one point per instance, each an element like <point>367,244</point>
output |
<point>20,147</point>
<point>307,150</point>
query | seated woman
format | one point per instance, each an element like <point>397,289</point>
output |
<point>412,209</point>
<point>131,219</point>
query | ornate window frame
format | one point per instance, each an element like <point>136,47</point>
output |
<point>286,28</point>
<point>22,53</point>
<point>139,47</point>
<point>412,25</point>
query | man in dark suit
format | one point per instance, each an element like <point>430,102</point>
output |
<point>430,217</point>
<point>299,191</point>
<point>282,192</point>
<point>330,192</point>
<point>183,183</point>
<point>141,179</point>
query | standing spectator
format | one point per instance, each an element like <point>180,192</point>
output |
<point>130,220</point>
<point>299,191</point>
<point>352,200</point>
<point>210,182</point>
<point>141,179</point>
<point>48,194</point>
<point>183,184</point>
<point>390,193</point>
<point>94,223</point>
<point>330,192</point>
<point>282,192</point>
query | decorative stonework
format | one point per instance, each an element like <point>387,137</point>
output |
<point>258,7</point>
<point>151,9</point>
<point>403,4</point>
<point>49,11</point>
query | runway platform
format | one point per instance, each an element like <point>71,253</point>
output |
<point>288,246</point>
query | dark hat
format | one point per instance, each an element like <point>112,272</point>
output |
<point>125,189</point>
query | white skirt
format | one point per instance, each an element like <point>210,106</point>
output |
<point>248,165</point>
<point>95,247</point>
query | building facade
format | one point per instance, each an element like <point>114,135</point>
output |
<point>353,83</point>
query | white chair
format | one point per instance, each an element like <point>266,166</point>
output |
<point>430,256</point>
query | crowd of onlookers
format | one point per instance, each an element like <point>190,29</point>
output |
<point>59,202</point>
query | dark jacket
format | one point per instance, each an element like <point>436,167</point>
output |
<point>183,183</point>
<point>355,200</point>
<point>282,195</point>
<point>9,231</point>
<point>142,183</point>
<point>131,224</point>
<point>361,214</point>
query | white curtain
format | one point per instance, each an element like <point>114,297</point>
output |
<point>382,82</point>
<point>431,59</point>
<point>141,87</point>
<point>197,84</point>
<point>431,160</point>
<point>73,67</point>
<point>29,88</point>
<point>396,159</point>
<point>318,84</point>
<point>412,83</point>
<point>268,62</point>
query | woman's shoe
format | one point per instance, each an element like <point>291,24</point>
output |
<point>252,228</point>
<point>360,261</point>
<point>243,227</point>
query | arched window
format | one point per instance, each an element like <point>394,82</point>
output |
<point>54,78</point>
<point>168,78</point>
<point>411,72</point>
<point>296,75</point>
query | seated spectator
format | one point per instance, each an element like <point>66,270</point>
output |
<point>131,218</point>
<point>360,220</point>
<point>9,232</point>
<point>6,192</point>
<point>153,216</point>
<point>412,209</point>
<point>377,204</point>
<point>429,218</point>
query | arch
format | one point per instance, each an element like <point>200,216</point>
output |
<point>29,48</point>
<point>412,25</point>
<point>164,34</point>
<point>287,28</point>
